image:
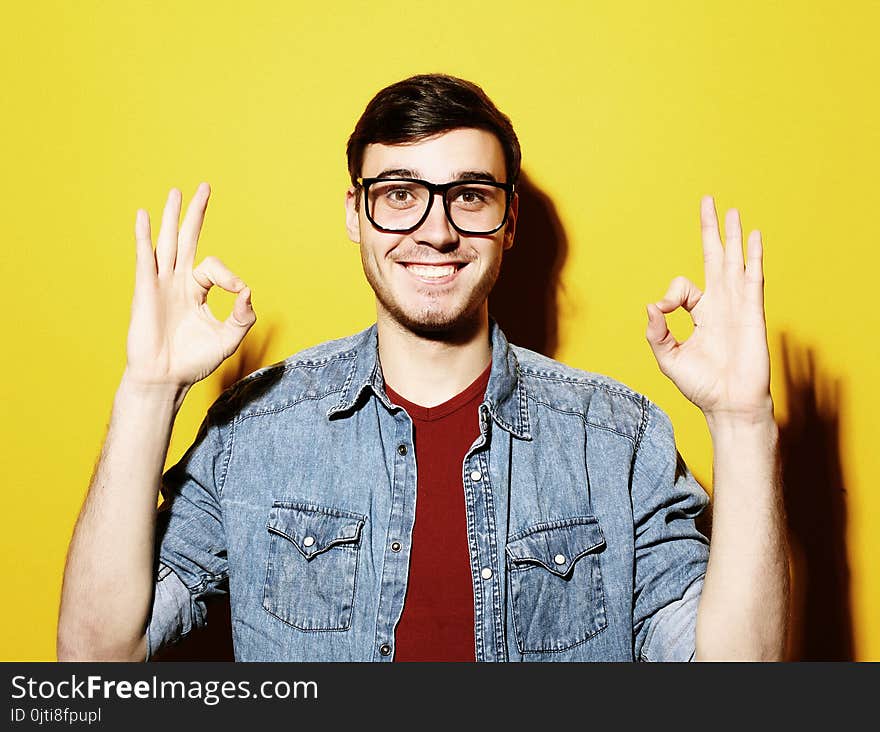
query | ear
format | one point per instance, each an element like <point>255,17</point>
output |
<point>352,217</point>
<point>510,226</point>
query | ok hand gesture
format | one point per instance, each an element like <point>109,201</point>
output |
<point>724,366</point>
<point>173,338</point>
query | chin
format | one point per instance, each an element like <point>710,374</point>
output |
<point>433,322</point>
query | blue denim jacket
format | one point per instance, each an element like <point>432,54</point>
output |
<point>298,498</point>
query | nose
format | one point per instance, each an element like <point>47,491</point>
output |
<point>436,230</point>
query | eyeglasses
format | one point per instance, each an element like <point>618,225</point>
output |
<point>401,205</point>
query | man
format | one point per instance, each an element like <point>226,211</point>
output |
<point>424,489</point>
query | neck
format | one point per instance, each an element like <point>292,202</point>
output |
<point>431,368</point>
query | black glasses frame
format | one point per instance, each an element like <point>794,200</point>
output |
<point>434,189</point>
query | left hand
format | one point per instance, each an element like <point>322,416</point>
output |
<point>724,366</point>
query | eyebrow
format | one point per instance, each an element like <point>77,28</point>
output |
<point>463,175</point>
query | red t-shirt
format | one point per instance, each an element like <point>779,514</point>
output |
<point>437,623</point>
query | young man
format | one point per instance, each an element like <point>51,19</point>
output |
<point>424,489</point>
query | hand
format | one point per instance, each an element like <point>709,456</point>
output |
<point>724,366</point>
<point>173,338</point>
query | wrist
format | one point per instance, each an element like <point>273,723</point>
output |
<point>723,423</point>
<point>758,414</point>
<point>130,387</point>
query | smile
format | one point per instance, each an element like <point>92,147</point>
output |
<point>434,273</point>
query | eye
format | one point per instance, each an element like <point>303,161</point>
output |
<point>397,195</point>
<point>401,195</point>
<point>472,197</point>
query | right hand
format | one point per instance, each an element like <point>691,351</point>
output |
<point>174,340</point>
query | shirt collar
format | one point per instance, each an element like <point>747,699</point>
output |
<point>506,399</point>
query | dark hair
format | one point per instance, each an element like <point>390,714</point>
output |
<point>426,105</point>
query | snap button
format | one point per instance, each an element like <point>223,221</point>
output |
<point>486,573</point>
<point>476,475</point>
<point>401,449</point>
<point>395,546</point>
<point>385,649</point>
<point>308,541</point>
<point>559,559</point>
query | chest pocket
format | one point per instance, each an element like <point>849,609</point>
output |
<point>556,584</point>
<point>312,565</point>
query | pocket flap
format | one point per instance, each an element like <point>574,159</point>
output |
<point>556,545</point>
<point>313,529</point>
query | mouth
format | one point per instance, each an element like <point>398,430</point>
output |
<point>435,274</point>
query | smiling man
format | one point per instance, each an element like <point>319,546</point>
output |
<point>425,490</point>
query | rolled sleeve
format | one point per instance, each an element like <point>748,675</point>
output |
<point>671,554</point>
<point>191,557</point>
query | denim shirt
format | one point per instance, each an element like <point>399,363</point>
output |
<point>298,498</point>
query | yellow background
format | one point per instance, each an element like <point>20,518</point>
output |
<point>627,113</point>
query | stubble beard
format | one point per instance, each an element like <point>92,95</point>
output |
<point>435,320</point>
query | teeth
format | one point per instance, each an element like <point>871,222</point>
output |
<point>431,270</point>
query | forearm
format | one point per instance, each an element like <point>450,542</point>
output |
<point>108,580</point>
<point>743,610</point>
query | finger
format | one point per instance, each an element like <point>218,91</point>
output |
<point>188,239</point>
<point>659,337</point>
<point>733,248</point>
<point>211,271</point>
<point>239,321</point>
<point>755,269</point>
<point>713,252</point>
<point>166,246</point>
<point>145,258</point>
<point>682,293</point>
<point>242,315</point>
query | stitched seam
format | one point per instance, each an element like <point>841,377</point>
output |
<point>548,567</point>
<point>643,425</point>
<point>556,524</point>
<point>586,382</point>
<point>273,410</point>
<point>227,448</point>
<point>318,508</point>
<point>587,422</point>
<point>483,461</point>
<point>523,400</point>
<point>474,557</point>
<point>346,386</point>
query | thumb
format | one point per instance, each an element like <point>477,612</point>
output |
<point>241,318</point>
<point>659,336</point>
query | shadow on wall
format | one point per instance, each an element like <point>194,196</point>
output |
<point>526,296</point>
<point>815,504</point>
<point>815,501</point>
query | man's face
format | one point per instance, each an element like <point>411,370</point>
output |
<point>403,269</point>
